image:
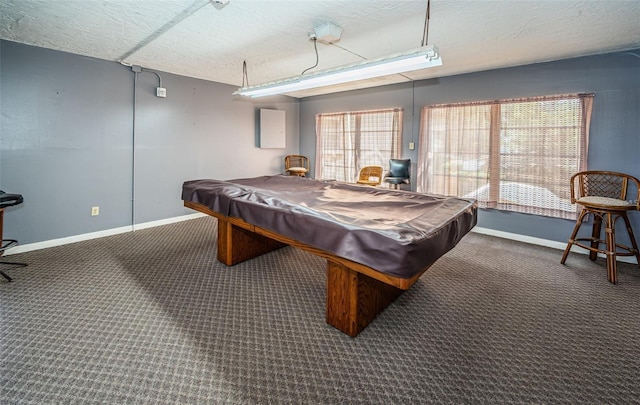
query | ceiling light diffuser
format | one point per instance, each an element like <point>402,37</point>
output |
<point>420,58</point>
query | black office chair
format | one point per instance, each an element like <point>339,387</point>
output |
<point>399,172</point>
<point>8,200</point>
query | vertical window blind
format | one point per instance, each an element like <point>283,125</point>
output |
<point>515,154</point>
<point>348,141</point>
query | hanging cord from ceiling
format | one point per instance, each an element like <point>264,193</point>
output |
<point>351,52</point>
<point>315,46</point>
<point>425,34</point>
<point>425,41</point>
<point>245,75</point>
<point>425,37</point>
<point>363,58</point>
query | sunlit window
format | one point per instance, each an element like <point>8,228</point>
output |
<point>515,154</point>
<point>348,141</point>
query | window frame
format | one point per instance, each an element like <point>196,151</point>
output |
<point>438,167</point>
<point>344,135</point>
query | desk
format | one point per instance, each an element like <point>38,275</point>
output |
<point>371,257</point>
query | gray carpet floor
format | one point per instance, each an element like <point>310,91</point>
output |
<point>151,317</point>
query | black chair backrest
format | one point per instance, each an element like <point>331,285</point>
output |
<point>7,200</point>
<point>399,167</point>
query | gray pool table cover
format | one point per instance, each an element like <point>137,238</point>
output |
<point>393,231</point>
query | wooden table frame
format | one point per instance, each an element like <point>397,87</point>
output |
<point>356,293</point>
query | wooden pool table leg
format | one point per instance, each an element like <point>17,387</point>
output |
<point>355,299</point>
<point>236,244</point>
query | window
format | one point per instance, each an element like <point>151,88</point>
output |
<point>515,155</point>
<point>347,141</point>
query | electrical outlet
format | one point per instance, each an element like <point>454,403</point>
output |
<point>412,146</point>
<point>95,211</point>
<point>161,92</point>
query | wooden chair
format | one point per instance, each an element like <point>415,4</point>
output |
<point>296,165</point>
<point>604,195</point>
<point>370,175</point>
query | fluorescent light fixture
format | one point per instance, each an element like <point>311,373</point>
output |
<point>420,58</point>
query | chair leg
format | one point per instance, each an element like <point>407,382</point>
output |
<point>610,231</point>
<point>5,275</point>
<point>595,236</point>
<point>572,238</point>
<point>634,244</point>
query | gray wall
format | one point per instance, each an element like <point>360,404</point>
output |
<point>615,128</point>
<point>67,134</point>
<point>67,141</point>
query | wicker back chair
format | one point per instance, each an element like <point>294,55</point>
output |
<point>603,194</point>
<point>370,175</point>
<point>296,165</point>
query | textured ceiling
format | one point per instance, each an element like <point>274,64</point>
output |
<point>192,38</point>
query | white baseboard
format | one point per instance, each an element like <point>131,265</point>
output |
<point>542,242</point>
<point>168,221</point>
<point>93,235</point>
<point>100,234</point>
